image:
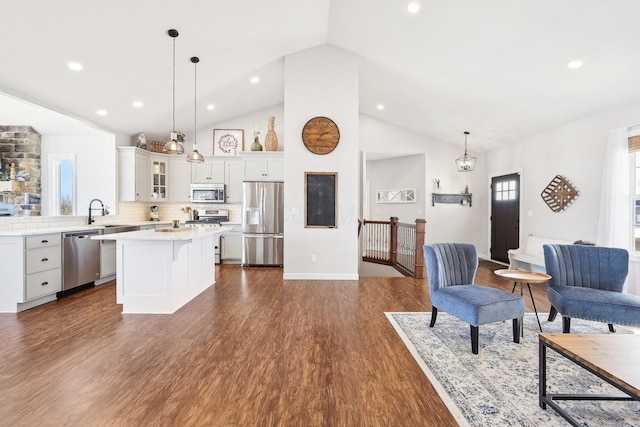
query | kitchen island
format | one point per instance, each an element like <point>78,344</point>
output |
<point>159,272</point>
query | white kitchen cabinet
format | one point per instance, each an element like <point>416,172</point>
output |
<point>149,177</point>
<point>142,183</point>
<point>31,270</point>
<point>135,184</point>
<point>231,245</point>
<point>233,180</point>
<point>159,177</point>
<point>43,261</point>
<point>179,184</point>
<point>211,171</point>
<point>135,178</point>
<point>263,165</point>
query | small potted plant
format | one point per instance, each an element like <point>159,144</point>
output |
<point>256,146</point>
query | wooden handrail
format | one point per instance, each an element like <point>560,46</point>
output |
<point>374,252</point>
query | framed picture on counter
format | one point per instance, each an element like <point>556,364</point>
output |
<point>228,142</point>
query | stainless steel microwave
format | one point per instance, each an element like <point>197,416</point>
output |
<point>207,193</point>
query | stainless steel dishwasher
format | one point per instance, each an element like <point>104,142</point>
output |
<point>80,258</point>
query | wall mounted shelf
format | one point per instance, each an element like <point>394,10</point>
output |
<point>461,199</point>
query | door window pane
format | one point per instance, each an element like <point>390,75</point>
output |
<point>506,191</point>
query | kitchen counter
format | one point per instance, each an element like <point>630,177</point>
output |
<point>34,231</point>
<point>159,272</point>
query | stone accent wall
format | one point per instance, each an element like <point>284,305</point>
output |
<point>22,145</point>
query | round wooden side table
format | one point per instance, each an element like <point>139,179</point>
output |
<point>522,277</point>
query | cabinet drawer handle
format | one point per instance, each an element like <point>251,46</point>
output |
<point>44,241</point>
<point>44,283</point>
<point>44,259</point>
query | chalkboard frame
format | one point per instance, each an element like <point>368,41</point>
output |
<point>314,199</point>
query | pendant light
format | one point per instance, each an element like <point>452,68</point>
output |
<point>466,163</point>
<point>195,156</point>
<point>173,146</point>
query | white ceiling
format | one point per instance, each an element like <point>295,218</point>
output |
<point>496,68</point>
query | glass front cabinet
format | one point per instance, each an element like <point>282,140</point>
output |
<point>158,179</point>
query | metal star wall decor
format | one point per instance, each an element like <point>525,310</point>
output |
<point>559,194</point>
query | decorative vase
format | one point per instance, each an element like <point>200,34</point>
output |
<point>256,145</point>
<point>271,140</point>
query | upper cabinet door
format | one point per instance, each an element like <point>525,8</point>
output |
<point>211,171</point>
<point>179,184</point>
<point>159,179</point>
<point>142,188</point>
<point>263,166</point>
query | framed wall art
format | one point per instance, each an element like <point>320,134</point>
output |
<point>228,142</point>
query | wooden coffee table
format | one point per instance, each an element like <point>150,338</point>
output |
<point>612,357</point>
<point>522,277</point>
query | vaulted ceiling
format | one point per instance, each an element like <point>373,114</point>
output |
<point>497,68</point>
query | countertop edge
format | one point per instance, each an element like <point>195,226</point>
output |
<point>163,236</point>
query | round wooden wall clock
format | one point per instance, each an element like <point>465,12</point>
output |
<point>320,135</point>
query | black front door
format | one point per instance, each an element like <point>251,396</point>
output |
<point>505,215</point>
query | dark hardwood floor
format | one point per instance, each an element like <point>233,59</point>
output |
<point>253,350</point>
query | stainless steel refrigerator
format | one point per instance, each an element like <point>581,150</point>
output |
<point>262,223</point>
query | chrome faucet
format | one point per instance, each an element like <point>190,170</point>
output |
<point>91,220</point>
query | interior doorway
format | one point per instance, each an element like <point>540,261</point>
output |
<point>505,215</point>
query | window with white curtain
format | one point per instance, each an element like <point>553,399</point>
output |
<point>62,182</point>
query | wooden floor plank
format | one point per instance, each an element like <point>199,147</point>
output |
<point>251,350</point>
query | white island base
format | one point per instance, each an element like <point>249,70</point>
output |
<point>159,272</point>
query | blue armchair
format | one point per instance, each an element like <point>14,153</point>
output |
<point>586,282</point>
<point>451,270</point>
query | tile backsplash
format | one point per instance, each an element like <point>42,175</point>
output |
<point>127,212</point>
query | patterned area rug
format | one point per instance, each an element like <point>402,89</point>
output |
<point>499,386</point>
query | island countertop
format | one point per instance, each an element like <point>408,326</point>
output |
<point>154,235</point>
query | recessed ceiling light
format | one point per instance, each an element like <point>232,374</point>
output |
<point>575,64</point>
<point>137,104</point>
<point>211,107</point>
<point>255,79</point>
<point>102,112</point>
<point>75,66</point>
<point>413,7</point>
<point>380,107</point>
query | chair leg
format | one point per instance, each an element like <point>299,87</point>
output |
<point>611,328</point>
<point>474,339</point>
<point>566,325</point>
<point>552,314</point>
<point>434,314</point>
<point>517,327</point>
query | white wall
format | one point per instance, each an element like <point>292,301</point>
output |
<point>445,222</point>
<point>321,81</point>
<point>576,151</point>
<point>96,167</point>
<point>246,122</point>
<point>399,173</point>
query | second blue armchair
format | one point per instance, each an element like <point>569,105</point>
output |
<point>586,282</point>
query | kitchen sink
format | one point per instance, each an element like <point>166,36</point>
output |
<point>117,228</point>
